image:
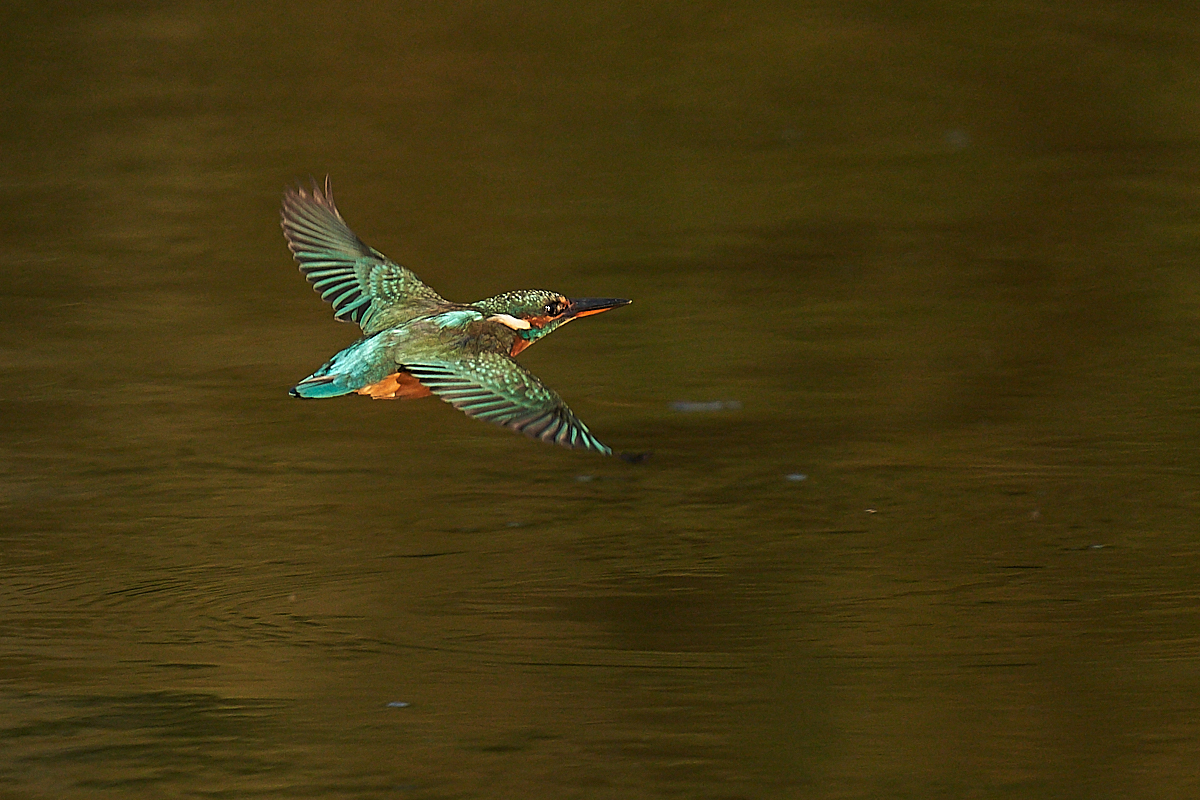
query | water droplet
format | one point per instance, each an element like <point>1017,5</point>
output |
<point>700,406</point>
<point>957,139</point>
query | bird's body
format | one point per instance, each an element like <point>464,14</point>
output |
<point>417,343</point>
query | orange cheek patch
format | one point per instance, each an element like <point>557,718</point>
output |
<point>520,343</point>
<point>397,386</point>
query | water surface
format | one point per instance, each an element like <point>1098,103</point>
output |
<point>922,278</point>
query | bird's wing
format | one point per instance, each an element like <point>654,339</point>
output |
<point>493,387</point>
<point>364,285</point>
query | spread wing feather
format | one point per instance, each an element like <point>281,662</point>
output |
<point>362,284</point>
<point>494,388</point>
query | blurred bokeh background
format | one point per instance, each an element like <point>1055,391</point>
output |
<point>914,348</point>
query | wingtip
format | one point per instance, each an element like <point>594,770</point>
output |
<point>328,193</point>
<point>590,442</point>
<point>295,194</point>
<point>305,211</point>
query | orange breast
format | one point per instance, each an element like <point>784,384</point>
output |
<point>397,386</point>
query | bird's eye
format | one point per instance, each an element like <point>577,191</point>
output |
<point>553,308</point>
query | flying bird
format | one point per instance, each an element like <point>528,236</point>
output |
<point>417,343</point>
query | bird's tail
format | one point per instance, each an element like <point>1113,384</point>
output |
<point>317,386</point>
<point>359,364</point>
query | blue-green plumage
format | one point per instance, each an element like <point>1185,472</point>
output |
<point>418,343</point>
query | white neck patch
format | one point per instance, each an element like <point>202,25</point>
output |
<point>511,321</point>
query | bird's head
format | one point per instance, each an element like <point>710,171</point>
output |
<point>533,313</point>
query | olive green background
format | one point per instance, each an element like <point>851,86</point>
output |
<point>943,255</point>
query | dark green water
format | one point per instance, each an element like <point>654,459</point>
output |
<point>942,257</point>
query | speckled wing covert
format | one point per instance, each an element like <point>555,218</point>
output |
<point>364,285</point>
<point>493,387</point>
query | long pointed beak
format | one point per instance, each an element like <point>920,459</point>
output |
<point>586,306</point>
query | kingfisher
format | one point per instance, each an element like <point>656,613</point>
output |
<point>418,344</point>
